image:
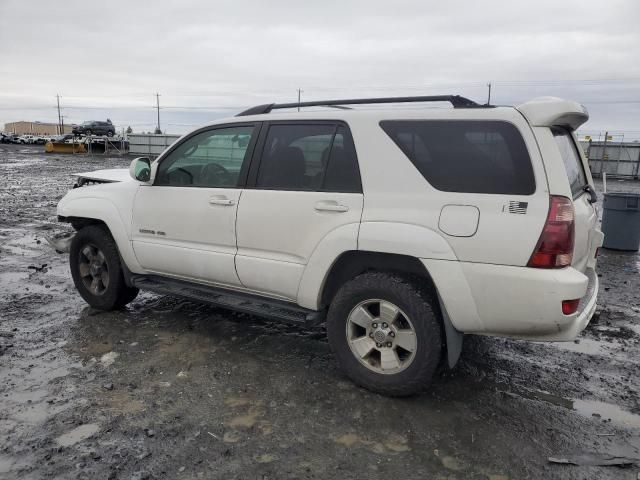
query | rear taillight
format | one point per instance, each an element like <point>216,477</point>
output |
<point>555,246</point>
<point>570,306</point>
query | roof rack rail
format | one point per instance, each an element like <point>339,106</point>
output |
<point>456,101</point>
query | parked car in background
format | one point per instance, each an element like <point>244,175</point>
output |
<point>25,139</point>
<point>61,138</point>
<point>402,228</point>
<point>94,127</point>
<point>38,140</point>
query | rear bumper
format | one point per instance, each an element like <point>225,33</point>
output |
<point>576,323</point>
<point>516,302</point>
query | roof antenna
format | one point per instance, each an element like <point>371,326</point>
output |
<point>489,97</point>
<point>299,92</point>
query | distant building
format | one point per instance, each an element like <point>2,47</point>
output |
<point>35,128</point>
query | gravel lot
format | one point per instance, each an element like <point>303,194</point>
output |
<point>171,389</point>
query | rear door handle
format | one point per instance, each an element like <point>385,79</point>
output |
<point>221,200</point>
<point>331,206</point>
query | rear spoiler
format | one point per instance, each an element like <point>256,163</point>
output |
<point>552,111</point>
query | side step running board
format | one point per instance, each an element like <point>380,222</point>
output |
<point>220,297</point>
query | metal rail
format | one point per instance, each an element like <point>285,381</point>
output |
<point>456,101</point>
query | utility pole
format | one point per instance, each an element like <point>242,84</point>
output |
<point>604,149</point>
<point>489,97</point>
<point>158,108</point>
<point>299,92</point>
<point>60,132</point>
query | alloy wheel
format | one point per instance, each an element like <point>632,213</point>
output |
<point>93,269</point>
<point>381,336</point>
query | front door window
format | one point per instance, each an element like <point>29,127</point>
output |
<point>210,159</point>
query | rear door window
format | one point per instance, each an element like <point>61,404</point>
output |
<point>341,172</point>
<point>313,157</point>
<point>572,161</point>
<point>466,156</point>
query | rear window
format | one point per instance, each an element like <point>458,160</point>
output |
<point>572,161</point>
<point>466,156</point>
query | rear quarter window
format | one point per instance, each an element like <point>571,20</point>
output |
<point>466,156</point>
<point>571,159</point>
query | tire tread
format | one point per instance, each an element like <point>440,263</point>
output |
<point>425,314</point>
<point>118,293</point>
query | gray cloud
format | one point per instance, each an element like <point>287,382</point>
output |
<point>210,59</point>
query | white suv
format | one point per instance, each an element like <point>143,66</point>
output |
<point>403,228</point>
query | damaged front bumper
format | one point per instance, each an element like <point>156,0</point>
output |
<point>61,243</point>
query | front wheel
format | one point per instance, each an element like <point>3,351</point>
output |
<point>97,271</point>
<point>385,333</point>
<point>109,133</point>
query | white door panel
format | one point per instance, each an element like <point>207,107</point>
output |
<point>187,262</point>
<point>270,276</point>
<point>296,223</point>
<point>187,232</point>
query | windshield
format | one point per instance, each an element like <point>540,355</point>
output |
<point>572,161</point>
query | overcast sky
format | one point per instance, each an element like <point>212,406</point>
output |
<point>210,59</point>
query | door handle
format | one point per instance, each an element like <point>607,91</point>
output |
<point>331,206</point>
<point>221,200</point>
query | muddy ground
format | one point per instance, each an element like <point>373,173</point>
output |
<point>171,389</point>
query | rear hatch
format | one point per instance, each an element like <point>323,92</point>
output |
<point>585,214</point>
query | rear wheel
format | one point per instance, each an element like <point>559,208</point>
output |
<point>109,133</point>
<point>385,333</point>
<point>97,271</point>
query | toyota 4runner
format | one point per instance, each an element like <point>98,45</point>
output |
<point>402,229</point>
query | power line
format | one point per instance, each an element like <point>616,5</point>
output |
<point>237,107</point>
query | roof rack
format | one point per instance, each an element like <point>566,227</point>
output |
<point>456,101</point>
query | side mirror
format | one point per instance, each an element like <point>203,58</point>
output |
<point>140,169</point>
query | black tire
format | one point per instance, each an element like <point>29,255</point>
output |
<point>88,132</point>
<point>418,304</point>
<point>110,133</point>
<point>115,293</point>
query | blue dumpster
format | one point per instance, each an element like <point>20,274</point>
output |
<point>621,221</point>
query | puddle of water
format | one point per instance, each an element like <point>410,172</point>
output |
<point>78,434</point>
<point>231,437</point>
<point>586,408</point>
<point>43,373</point>
<point>38,413</point>
<point>11,279</point>
<point>607,411</point>
<point>248,420</point>
<point>108,359</point>
<point>394,444</point>
<point>634,326</point>
<point>586,346</point>
<point>10,464</point>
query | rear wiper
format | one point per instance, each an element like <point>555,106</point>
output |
<point>593,196</point>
